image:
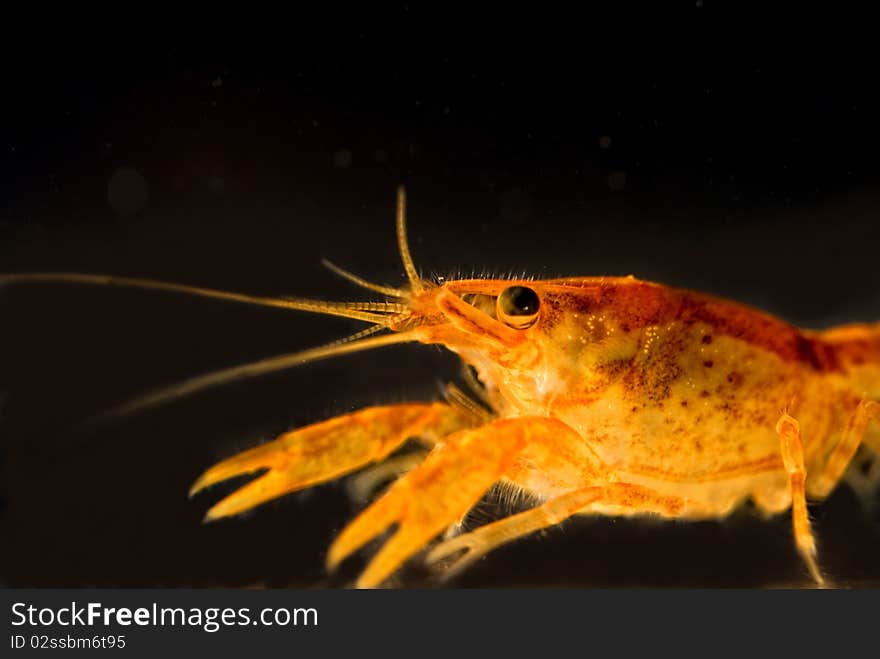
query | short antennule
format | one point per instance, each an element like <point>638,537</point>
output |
<point>405,256</point>
<point>360,281</point>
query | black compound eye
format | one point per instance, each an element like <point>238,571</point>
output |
<point>518,307</point>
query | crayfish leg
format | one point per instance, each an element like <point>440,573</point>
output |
<point>479,542</point>
<point>845,449</point>
<point>325,451</point>
<point>792,449</point>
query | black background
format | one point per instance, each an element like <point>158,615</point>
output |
<point>694,145</point>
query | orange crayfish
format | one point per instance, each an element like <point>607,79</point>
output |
<point>592,395</point>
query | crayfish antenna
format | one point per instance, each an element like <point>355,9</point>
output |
<point>363,283</point>
<point>405,256</point>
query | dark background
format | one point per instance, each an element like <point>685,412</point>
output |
<point>689,146</point>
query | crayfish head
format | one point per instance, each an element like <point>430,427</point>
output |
<point>536,343</point>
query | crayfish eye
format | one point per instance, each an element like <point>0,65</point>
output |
<point>518,306</point>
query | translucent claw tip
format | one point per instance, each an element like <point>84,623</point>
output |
<point>197,487</point>
<point>334,558</point>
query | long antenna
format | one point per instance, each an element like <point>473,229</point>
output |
<point>367,311</point>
